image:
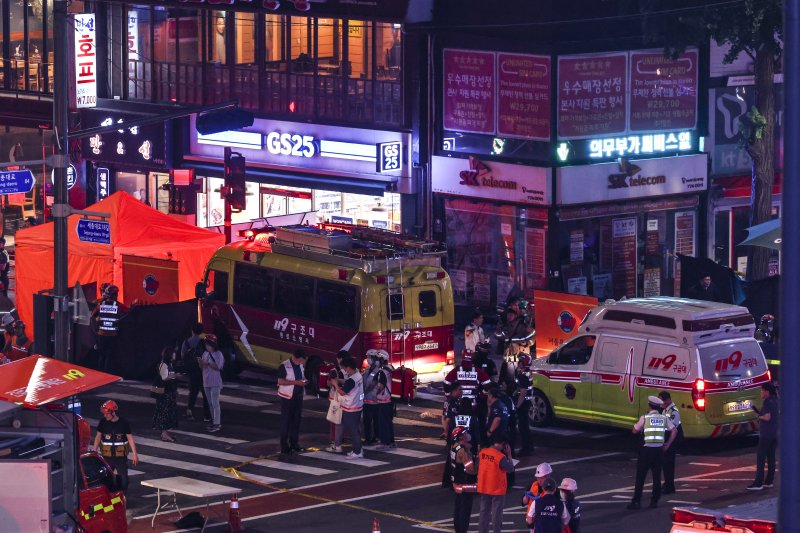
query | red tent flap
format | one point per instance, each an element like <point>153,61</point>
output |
<point>37,380</point>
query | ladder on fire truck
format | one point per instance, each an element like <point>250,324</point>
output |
<point>369,249</point>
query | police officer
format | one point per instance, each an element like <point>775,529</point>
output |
<point>654,427</point>
<point>472,380</point>
<point>452,406</point>
<point>497,420</point>
<point>548,514</point>
<point>107,316</point>
<point>523,393</point>
<point>114,441</point>
<point>669,454</point>
<point>463,477</point>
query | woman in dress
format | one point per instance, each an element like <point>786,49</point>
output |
<point>166,415</point>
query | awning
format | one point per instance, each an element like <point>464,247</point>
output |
<point>741,186</point>
<point>299,178</point>
<point>38,380</point>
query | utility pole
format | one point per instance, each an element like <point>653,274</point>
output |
<point>789,500</point>
<point>60,208</point>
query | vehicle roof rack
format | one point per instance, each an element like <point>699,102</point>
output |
<point>370,249</point>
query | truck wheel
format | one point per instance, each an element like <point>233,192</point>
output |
<point>541,413</point>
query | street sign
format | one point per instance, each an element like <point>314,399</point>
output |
<point>16,181</point>
<point>96,231</point>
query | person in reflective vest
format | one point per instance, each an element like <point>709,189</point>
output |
<point>473,380</point>
<point>494,465</point>
<point>351,396</point>
<point>107,316</point>
<point>654,426</point>
<point>671,411</point>
<point>21,346</point>
<point>291,385</point>
<point>548,514</point>
<point>543,471</point>
<point>114,441</point>
<point>463,477</point>
<point>385,403</point>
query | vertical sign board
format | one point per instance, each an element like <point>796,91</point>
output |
<point>96,231</point>
<point>523,96</point>
<point>592,95</point>
<point>389,157</point>
<point>133,35</point>
<point>85,61</point>
<point>663,91</point>
<point>103,176</point>
<point>623,257</point>
<point>469,91</point>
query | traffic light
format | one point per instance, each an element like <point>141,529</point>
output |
<point>225,120</point>
<point>235,181</point>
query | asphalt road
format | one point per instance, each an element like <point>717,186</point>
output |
<point>324,492</point>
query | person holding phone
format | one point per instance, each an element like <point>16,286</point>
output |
<point>291,381</point>
<point>211,363</point>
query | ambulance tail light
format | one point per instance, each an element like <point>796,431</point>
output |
<point>383,280</point>
<point>769,376</point>
<point>450,358</point>
<point>686,517</point>
<point>435,275</point>
<point>699,394</point>
<point>756,526</point>
<point>342,275</point>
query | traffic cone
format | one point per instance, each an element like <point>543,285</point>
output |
<point>234,520</point>
<point>376,526</point>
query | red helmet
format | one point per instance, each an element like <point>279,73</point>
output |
<point>457,432</point>
<point>108,407</point>
<point>524,360</point>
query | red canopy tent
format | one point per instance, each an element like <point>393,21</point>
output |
<point>136,230</point>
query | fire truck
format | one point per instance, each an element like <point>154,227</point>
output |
<point>331,287</point>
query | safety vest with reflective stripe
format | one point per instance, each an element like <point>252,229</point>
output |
<point>108,317</point>
<point>113,445</point>
<point>462,481</point>
<point>353,401</point>
<point>285,391</point>
<point>385,396</point>
<point>655,425</point>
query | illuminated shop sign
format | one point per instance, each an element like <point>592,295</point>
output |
<point>312,146</point>
<point>103,178</point>
<point>85,61</point>
<point>142,145</point>
<point>650,144</point>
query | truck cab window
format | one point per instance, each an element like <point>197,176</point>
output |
<point>96,473</point>
<point>576,352</point>
<point>394,306</point>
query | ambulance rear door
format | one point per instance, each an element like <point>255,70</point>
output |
<point>426,343</point>
<point>616,367</point>
<point>394,324</point>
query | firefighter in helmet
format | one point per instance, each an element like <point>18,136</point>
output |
<point>114,441</point>
<point>106,317</point>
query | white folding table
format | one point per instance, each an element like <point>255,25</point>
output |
<point>188,487</point>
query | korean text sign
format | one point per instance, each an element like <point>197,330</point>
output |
<point>469,91</point>
<point>663,91</point>
<point>592,95</point>
<point>85,61</point>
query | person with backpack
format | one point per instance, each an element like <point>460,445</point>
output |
<point>191,352</point>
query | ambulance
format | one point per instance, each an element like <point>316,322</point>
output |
<point>703,353</point>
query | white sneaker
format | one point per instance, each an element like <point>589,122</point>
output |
<point>334,449</point>
<point>354,455</point>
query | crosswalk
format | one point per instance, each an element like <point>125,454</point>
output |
<point>231,459</point>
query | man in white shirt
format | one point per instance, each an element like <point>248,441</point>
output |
<point>473,333</point>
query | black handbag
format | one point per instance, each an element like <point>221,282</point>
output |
<point>157,388</point>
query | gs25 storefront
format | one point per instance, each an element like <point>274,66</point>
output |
<point>622,225</point>
<point>494,218</point>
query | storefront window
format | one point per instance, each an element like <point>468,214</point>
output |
<point>626,254</point>
<point>730,228</point>
<point>494,251</point>
<point>388,57</point>
<point>133,183</point>
<point>216,48</point>
<point>158,198</point>
<point>245,38</point>
<point>358,49</point>
<point>28,66</point>
<point>366,210</point>
<point>275,45</point>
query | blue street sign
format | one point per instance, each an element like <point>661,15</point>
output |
<point>341,220</point>
<point>16,181</point>
<point>96,231</point>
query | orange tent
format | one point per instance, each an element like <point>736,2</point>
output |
<point>136,229</point>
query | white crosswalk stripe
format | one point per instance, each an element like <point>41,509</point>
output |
<point>208,436</point>
<point>233,458</point>
<point>203,469</point>
<point>336,457</point>
<point>225,398</point>
<point>405,452</point>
